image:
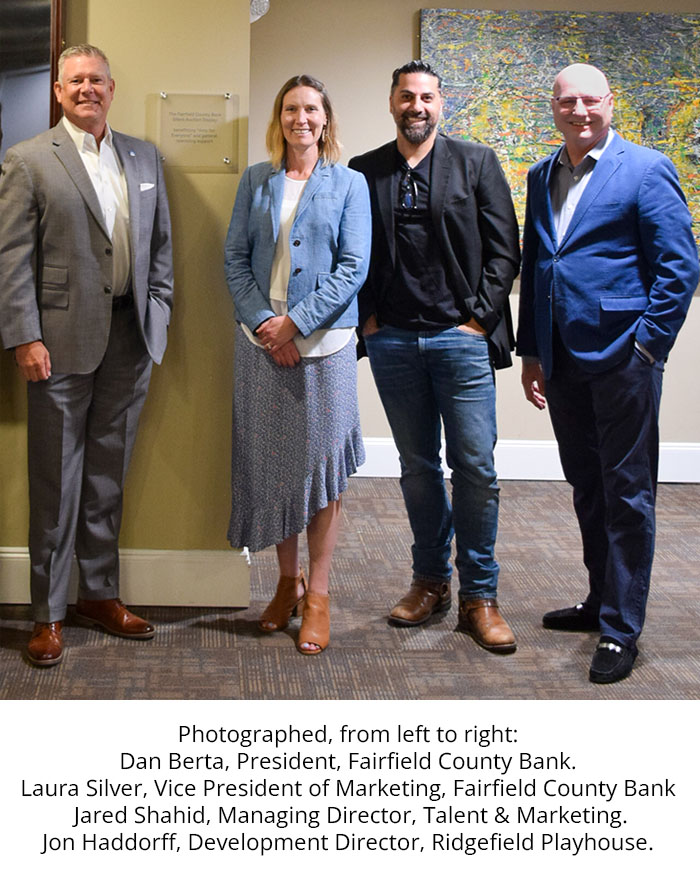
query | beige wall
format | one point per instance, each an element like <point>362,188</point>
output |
<point>353,47</point>
<point>178,490</point>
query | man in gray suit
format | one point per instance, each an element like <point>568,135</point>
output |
<point>85,301</point>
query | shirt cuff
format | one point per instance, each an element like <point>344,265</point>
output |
<point>643,350</point>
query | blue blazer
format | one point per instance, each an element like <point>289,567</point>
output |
<point>625,270</point>
<point>330,238</point>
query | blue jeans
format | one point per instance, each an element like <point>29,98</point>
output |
<point>424,378</point>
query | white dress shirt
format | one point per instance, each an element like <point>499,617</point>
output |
<point>109,182</point>
<point>569,183</point>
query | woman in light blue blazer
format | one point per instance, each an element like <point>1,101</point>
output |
<point>297,253</point>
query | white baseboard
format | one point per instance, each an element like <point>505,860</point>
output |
<point>222,578</point>
<point>679,463</point>
<point>536,461</point>
<point>202,578</point>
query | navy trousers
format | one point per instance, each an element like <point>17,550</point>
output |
<point>606,425</point>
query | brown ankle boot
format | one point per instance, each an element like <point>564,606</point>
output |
<point>286,603</point>
<point>316,624</point>
<point>424,599</point>
<point>482,620</point>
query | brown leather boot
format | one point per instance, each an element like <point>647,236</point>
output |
<point>481,619</point>
<point>315,627</point>
<point>287,602</point>
<point>424,598</point>
<point>45,647</point>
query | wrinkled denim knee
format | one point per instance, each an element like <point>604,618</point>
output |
<point>428,381</point>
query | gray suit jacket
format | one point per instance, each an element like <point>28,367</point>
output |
<point>56,254</point>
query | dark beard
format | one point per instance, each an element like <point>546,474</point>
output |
<point>416,136</point>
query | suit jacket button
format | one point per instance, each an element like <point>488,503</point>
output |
<point>108,290</point>
<point>108,250</point>
<point>297,271</point>
<point>297,243</point>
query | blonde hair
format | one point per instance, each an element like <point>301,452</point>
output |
<point>329,146</point>
<point>81,51</point>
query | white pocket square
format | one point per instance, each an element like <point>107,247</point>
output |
<point>144,187</point>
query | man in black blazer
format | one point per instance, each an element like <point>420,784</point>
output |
<point>435,322</point>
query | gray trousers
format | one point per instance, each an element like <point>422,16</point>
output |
<point>81,431</point>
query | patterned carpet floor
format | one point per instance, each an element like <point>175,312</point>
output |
<point>219,653</point>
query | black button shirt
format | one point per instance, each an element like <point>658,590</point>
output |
<point>419,297</point>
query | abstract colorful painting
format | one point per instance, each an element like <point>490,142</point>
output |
<point>498,68</point>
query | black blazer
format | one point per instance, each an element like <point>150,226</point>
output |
<point>475,225</point>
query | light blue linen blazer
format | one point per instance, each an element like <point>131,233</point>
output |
<point>330,247</point>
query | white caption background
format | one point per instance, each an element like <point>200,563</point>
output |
<point>537,785</point>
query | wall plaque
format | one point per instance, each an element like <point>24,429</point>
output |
<point>199,132</point>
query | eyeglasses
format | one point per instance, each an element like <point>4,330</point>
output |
<point>408,191</point>
<point>590,101</point>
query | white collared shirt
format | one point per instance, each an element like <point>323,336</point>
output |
<point>569,183</point>
<point>109,182</point>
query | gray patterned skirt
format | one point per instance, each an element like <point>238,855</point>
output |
<point>296,441</point>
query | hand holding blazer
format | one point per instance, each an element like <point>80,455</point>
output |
<point>475,225</point>
<point>56,257</point>
<point>626,269</point>
<point>330,245</point>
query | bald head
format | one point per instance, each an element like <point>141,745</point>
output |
<point>582,106</point>
<point>584,78</point>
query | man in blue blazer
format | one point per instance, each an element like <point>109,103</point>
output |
<point>85,299</point>
<point>609,268</point>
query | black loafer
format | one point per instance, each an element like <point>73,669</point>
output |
<point>578,619</point>
<point>611,662</point>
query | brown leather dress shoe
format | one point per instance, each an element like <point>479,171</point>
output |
<point>481,619</point>
<point>423,599</point>
<point>114,617</point>
<point>45,647</point>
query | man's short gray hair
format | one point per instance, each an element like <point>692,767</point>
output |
<point>83,50</point>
